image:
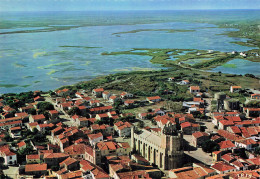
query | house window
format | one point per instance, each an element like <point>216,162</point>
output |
<point>10,157</point>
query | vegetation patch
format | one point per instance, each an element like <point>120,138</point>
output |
<point>229,65</point>
<point>8,85</point>
<point>75,46</point>
<point>145,30</point>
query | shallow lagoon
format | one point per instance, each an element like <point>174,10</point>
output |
<point>239,66</point>
<point>53,59</point>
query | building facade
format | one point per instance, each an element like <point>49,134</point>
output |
<point>164,148</point>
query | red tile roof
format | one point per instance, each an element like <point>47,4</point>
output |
<point>72,175</point>
<point>33,157</point>
<point>228,157</point>
<point>185,124</point>
<point>195,88</point>
<point>200,134</point>
<point>68,161</point>
<point>95,136</point>
<point>104,115</point>
<point>76,149</point>
<point>5,150</point>
<point>21,144</point>
<point>8,108</point>
<point>55,155</point>
<point>221,166</point>
<point>153,98</point>
<point>110,145</point>
<point>226,144</point>
<point>22,114</point>
<point>248,142</point>
<point>255,94</point>
<point>103,108</point>
<point>236,87</point>
<point>255,161</point>
<point>98,90</point>
<point>35,167</point>
<point>134,174</point>
<point>226,123</point>
<point>235,129</point>
<point>229,136</point>
<point>15,128</point>
<point>38,117</point>
<point>129,101</point>
<point>233,118</point>
<point>53,112</point>
<point>112,97</point>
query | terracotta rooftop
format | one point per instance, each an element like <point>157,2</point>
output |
<point>95,136</point>
<point>35,167</point>
<point>153,98</point>
<point>33,157</point>
<point>98,90</point>
<point>222,166</point>
<point>226,144</point>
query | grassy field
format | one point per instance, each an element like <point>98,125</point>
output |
<point>150,83</point>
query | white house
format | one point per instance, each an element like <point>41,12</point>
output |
<point>95,138</point>
<point>184,82</point>
<point>106,95</point>
<point>248,144</point>
<point>235,89</point>
<point>126,95</point>
<point>242,54</point>
<point>194,89</point>
<point>123,128</point>
<point>10,158</point>
<point>153,99</point>
<point>113,99</point>
<point>171,79</point>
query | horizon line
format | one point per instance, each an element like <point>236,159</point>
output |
<point>125,10</point>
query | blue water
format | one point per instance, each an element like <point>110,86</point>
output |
<point>241,67</point>
<point>37,61</point>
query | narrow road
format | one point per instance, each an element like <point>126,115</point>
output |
<point>69,121</point>
<point>208,108</point>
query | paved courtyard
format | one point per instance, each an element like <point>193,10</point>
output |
<point>198,154</point>
<point>12,172</point>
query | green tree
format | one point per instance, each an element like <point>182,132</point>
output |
<point>149,110</point>
<point>140,124</point>
<point>55,167</point>
<point>35,131</point>
<point>26,151</point>
<point>210,146</point>
<point>43,106</point>
<point>39,137</point>
<point>32,111</point>
<point>2,160</point>
<point>173,106</point>
<point>73,111</point>
<point>8,138</point>
<point>257,150</point>
<point>117,104</point>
